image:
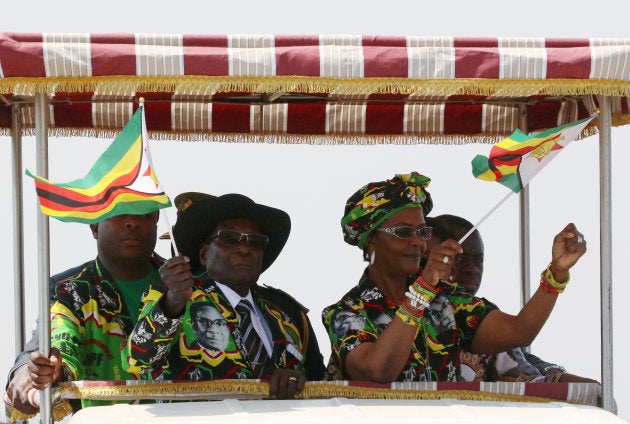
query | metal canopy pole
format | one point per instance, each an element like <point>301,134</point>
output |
<point>43,249</point>
<point>524,224</point>
<point>18,226</point>
<point>605,242</point>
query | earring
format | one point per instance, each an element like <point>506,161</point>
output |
<point>372,256</point>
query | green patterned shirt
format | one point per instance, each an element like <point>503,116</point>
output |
<point>449,325</point>
<point>90,322</point>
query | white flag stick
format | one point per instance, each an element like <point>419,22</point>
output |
<point>461,240</point>
<point>170,231</point>
<point>145,137</point>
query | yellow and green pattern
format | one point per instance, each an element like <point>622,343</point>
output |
<point>206,342</point>
<point>515,160</point>
<point>122,181</point>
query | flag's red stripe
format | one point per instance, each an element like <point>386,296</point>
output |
<point>498,151</point>
<point>72,196</point>
<point>511,160</point>
<point>93,207</point>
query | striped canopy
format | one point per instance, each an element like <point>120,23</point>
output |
<point>311,89</point>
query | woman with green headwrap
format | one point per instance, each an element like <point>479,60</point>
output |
<point>401,325</point>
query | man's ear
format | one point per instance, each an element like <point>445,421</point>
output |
<point>94,228</point>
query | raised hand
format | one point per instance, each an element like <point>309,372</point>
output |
<point>568,247</point>
<point>177,276</point>
<point>440,262</point>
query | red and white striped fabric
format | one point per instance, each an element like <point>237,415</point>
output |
<point>312,88</point>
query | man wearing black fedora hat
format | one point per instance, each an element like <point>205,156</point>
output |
<point>253,331</point>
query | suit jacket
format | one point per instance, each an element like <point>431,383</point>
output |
<point>166,348</point>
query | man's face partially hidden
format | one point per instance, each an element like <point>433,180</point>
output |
<point>127,237</point>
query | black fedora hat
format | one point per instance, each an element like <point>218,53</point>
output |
<point>195,222</point>
<point>183,201</point>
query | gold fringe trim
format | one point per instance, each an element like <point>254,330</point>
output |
<point>157,389</point>
<point>308,139</point>
<point>253,389</point>
<point>60,410</point>
<point>322,390</point>
<point>257,389</point>
<point>334,139</point>
<point>206,85</point>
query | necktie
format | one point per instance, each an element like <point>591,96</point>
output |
<point>255,350</point>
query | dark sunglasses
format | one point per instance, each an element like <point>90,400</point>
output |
<point>233,238</point>
<point>406,232</point>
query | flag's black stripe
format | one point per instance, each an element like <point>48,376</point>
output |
<point>68,203</point>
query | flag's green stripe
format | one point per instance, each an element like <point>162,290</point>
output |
<point>112,155</point>
<point>512,181</point>
<point>480,165</point>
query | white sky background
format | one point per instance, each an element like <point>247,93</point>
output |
<point>312,182</point>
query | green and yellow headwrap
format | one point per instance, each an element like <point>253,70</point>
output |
<point>375,202</point>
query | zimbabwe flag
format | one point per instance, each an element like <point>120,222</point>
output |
<point>122,181</point>
<point>515,160</point>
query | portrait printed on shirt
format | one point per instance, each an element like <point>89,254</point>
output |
<point>440,314</point>
<point>345,321</point>
<point>210,328</point>
<point>208,346</point>
<point>512,363</point>
<point>381,322</point>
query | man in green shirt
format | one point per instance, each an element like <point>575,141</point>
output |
<point>95,310</point>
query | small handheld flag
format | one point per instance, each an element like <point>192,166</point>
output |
<point>515,160</point>
<point>122,181</point>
